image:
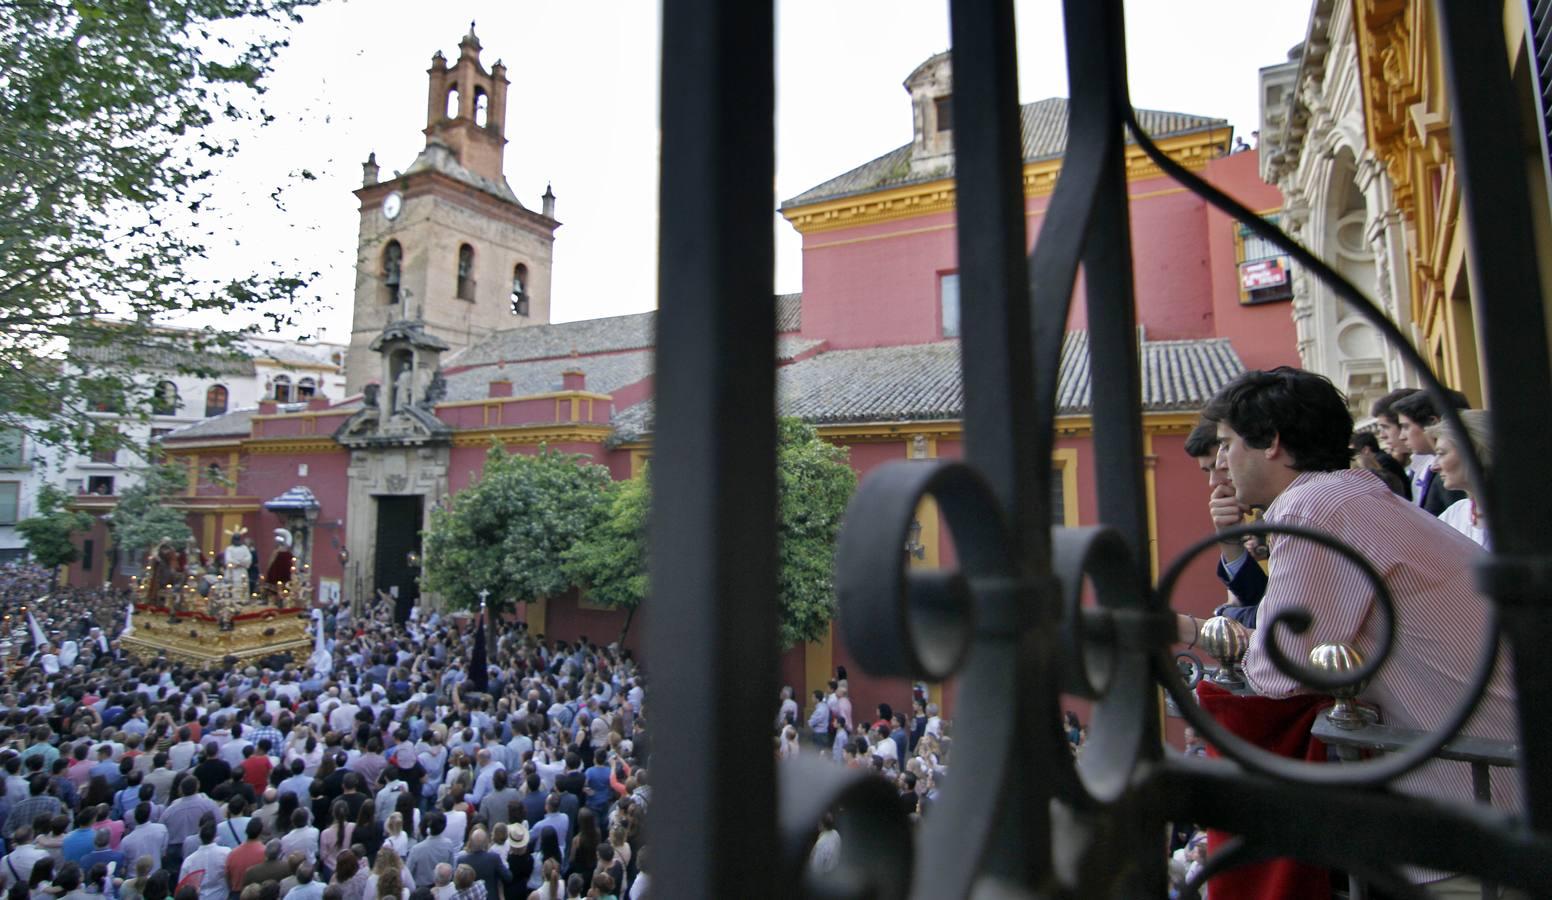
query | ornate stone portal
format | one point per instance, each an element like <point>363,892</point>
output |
<point>399,458</point>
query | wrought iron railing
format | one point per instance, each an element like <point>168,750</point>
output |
<point>1019,812</point>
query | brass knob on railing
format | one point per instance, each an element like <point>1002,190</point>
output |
<point>1227,640</point>
<point>1340,659</point>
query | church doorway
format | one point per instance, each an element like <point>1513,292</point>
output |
<point>398,550</point>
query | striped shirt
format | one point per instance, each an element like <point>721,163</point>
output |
<point>1430,569</point>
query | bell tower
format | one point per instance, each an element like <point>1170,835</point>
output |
<point>466,108</point>
<point>446,245</point>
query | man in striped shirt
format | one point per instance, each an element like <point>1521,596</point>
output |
<point>1284,435</point>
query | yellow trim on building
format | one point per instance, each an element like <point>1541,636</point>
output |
<point>532,434</point>
<point>909,201</point>
<point>1406,109</point>
<point>291,444</point>
<point>535,615</point>
<point>1150,465</point>
<point>585,395</point>
<point>818,663</point>
<point>1065,462</point>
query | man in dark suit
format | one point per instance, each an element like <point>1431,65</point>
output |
<point>1240,574</point>
<point>1414,413</point>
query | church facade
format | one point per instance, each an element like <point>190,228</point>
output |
<point>452,351</point>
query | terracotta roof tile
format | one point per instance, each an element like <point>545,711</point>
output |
<point>1044,126</point>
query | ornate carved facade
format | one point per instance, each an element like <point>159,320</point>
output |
<point>1340,201</point>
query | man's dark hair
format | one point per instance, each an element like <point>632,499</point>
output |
<point>436,823</point>
<point>1365,440</point>
<point>1302,410</point>
<point>1203,440</point>
<point>1420,408</point>
<point>1381,408</point>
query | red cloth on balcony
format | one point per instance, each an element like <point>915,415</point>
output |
<point>1281,727</point>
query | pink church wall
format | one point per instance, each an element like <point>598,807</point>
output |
<point>1264,335</point>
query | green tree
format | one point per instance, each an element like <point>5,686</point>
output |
<point>48,533</point>
<point>814,482</point>
<point>114,116</point>
<point>143,518</point>
<point>610,563</point>
<point>510,530</point>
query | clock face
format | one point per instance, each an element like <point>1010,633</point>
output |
<point>392,204</point>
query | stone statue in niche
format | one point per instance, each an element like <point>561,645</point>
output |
<point>436,391</point>
<point>403,391</point>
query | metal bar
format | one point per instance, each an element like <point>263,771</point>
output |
<point>1000,422</point>
<point>1112,315</point>
<point>1511,313</point>
<point>1352,830</point>
<point>711,621</point>
<point>1388,738</point>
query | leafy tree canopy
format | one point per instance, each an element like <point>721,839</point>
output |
<point>814,482</point>
<point>48,533</point>
<point>611,562</point>
<point>107,153</point>
<point>510,530</point>
<point>142,519</point>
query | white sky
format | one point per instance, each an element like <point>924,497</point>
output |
<point>582,114</point>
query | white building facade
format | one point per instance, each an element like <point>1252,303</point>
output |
<point>290,372</point>
<point>1339,202</point>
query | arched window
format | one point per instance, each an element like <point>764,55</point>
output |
<point>165,401</point>
<point>215,400</point>
<point>520,290</point>
<point>282,388</point>
<point>452,102</point>
<point>393,261</point>
<point>306,388</point>
<point>465,272</point>
<point>481,107</point>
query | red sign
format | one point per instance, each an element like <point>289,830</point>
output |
<point>1263,273</point>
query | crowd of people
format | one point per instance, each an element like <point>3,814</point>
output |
<point>908,749</point>
<point>384,766</point>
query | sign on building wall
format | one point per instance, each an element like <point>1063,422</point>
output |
<point>1263,273</point>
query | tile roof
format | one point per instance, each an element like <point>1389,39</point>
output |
<point>438,157</point>
<point>606,373</point>
<point>632,332</point>
<point>164,351</point>
<point>305,353</point>
<point>636,331</point>
<point>1044,125</point>
<point>921,382</point>
<point>235,423</point>
<point>789,312</point>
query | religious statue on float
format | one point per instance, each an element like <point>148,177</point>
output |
<point>165,576</point>
<point>280,575</point>
<point>237,559</point>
